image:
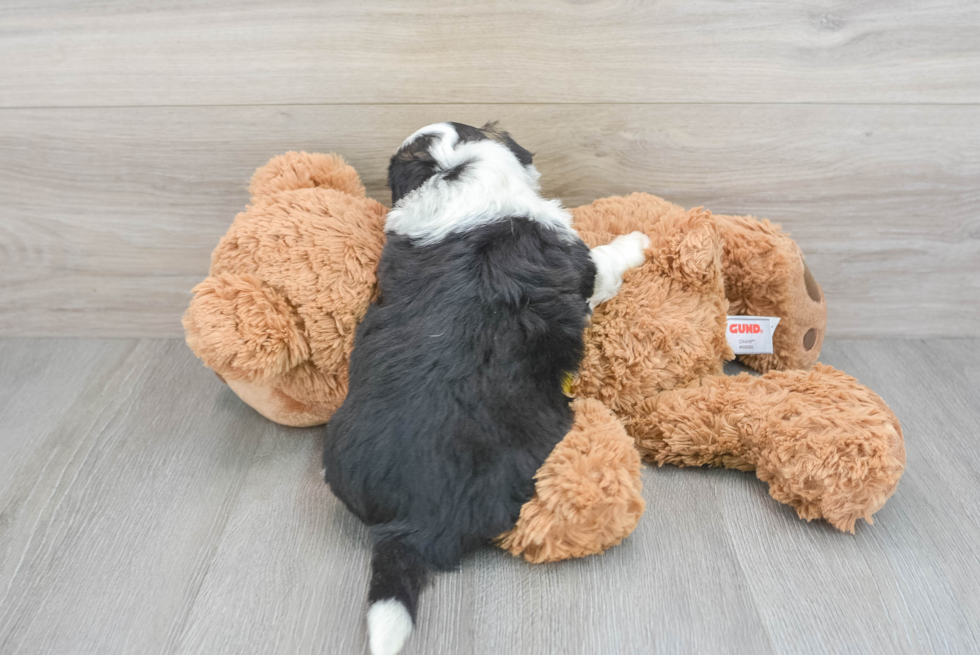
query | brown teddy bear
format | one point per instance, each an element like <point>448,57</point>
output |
<point>296,272</point>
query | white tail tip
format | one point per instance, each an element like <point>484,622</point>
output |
<point>389,625</point>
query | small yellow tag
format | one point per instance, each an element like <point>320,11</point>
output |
<point>566,384</point>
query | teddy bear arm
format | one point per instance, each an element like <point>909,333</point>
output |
<point>244,329</point>
<point>587,493</point>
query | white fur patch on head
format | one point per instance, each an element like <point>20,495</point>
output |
<point>443,129</point>
<point>614,259</point>
<point>491,185</point>
<point>389,625</point>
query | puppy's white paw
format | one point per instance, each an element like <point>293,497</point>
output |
<point>631,248</point>
<point>612,260</point>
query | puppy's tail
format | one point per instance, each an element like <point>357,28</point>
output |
<point>397,576</point>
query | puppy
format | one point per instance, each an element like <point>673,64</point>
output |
<point>455,396</point>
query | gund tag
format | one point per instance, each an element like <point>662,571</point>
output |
<point>751,335</point>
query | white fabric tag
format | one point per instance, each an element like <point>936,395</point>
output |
<point>751,335</point>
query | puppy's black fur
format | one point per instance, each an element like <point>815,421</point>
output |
<point>455,396</point>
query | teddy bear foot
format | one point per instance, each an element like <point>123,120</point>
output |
<point>826,445</point>
<point>587,493</point>
<point>766,275</point>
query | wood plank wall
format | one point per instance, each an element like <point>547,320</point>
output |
<point>128,131</point>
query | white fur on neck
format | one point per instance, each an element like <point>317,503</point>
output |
<point>493,186</point>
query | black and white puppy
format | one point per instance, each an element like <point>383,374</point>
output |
<point>455,396</point>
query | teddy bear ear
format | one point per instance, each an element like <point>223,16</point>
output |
<point>304,170</point>
<point>244,329</point>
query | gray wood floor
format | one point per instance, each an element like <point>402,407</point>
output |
<point>144,509</point>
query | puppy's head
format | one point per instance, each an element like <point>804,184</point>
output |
<point>452,178</point>
<point>442,149</point>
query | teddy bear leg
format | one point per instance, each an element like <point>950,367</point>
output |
<point>587,493</point>
<point>765,275</point>
<point>826,445</point>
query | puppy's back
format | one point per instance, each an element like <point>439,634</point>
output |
<point>455,384</point>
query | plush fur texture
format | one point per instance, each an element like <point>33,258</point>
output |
<point>788,427</point>
<point>765,275</point>
<point>289,284</point>
<point>665,328</point>
<point>587,492</point>
<point>663,333</point>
